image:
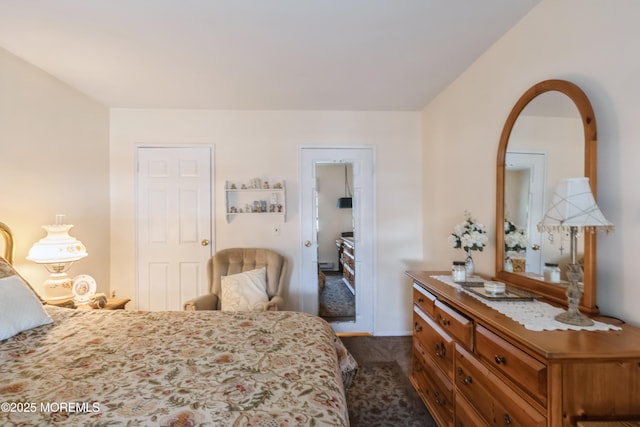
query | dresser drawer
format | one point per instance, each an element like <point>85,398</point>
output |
<point>424,300</point>
<point>433,342</point>
<point>465,415</point>
<point>436,391</point>
<point>527,372</point>
<point>455,324</point>
<point>491,397</point>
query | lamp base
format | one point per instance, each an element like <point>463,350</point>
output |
<point>58,287</point>
<point>574,274</point>
<point>574,318</point>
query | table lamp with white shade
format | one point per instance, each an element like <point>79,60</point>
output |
<point>57,251</point>
<point>574,209</point>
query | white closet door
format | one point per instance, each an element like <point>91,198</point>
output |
<point>174,224</point>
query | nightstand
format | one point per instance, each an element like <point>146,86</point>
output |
<point>66,303</point>
<point>112,304</point>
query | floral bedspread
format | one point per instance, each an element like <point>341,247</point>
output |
<point>202,368</point>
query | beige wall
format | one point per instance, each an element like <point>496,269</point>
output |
<point>62,152</point>
<point>55,155</point>
<point>260,143</point>
<point>589,42</point>
<point>54,146</point>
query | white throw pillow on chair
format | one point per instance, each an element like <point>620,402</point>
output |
<point>245,291</point>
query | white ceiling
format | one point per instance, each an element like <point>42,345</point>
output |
<point>257,54</point>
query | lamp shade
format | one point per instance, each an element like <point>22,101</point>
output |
<point>573,205</point>
<point>58,246</point>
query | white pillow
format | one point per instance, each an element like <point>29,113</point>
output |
<point>20,308</point>
<point>245,291</point>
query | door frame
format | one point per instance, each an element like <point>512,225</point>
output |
<point>365,270</point>
<point>536,163</point>
<point>212,212</point>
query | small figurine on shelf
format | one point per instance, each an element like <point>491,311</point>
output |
<point>233,186</point>
<point>272,208</point>
<point>266,185</point>
<point>233,209</point>
<point>279,208</point>
<point>277,186</point>
<point>244,187</point>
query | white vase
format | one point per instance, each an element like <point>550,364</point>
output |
<point>508,265</point>
<point>468,265</point>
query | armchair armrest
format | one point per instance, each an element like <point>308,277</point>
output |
<point>203,302</point>
<point>274,303</point>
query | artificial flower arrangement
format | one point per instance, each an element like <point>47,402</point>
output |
<point>469,235</point>
<point>514,237</point>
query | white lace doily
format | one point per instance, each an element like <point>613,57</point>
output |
<point>533,315</point>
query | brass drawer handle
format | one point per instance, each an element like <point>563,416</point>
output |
<point>417,327</point>
<point>441,350</point>
<point>420,300</point>
<point>507,419</point>
<point>500,360</point>
<point>445,322</point>
<point>466,380</point>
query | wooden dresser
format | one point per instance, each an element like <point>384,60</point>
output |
<point>348,261</point>
<point>473,366</point>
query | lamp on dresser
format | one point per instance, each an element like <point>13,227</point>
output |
<point>57,251</point>
<point>574,210</point>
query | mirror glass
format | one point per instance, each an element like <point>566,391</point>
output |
<point>549,135</point>
<point>546,145</point>
<point>335,227</point>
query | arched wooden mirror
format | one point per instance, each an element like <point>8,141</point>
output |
<point>549,135</point>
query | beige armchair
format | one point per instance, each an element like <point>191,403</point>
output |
<point>237,260</point>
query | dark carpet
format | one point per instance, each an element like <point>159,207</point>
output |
<point>336,300</point>
<point>381,395</point>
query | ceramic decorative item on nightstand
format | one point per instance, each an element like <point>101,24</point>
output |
<point>83,288</point>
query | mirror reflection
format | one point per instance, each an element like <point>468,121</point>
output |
<point>336,255</point>
<point>546,145</point>
<point>549,135</point>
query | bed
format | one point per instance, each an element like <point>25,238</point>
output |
<point>196,368</point>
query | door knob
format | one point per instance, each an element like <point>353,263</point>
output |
<point>535,247</point>
<point>204,242</point>
<point>307,243</point>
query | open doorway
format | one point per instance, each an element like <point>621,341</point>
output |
<point>336,247</point>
